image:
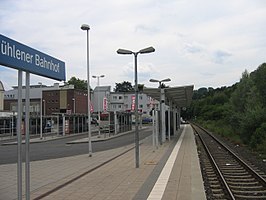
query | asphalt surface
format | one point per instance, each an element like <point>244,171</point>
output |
<point>58,148</point>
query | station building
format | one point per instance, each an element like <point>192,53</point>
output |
<point>55,102</point>
<point>67,99</point>
<point>64,101</point>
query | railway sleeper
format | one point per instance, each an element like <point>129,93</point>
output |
<point>261,173</point>
<point>218,196</point>
<point>250,192</point>
<point>238,176</point>
<point>212,178</point>
<point>208,165</point>
<point>227,162</point>
<point>243,183</point>
<point>249,197</point>
<point>240,179</point>
<point>219,190</point>
<point>235,173</point>
<point>215,186</point>
<point>231,168</point>
<point>211,175</point>
<point>209,170</point>
<point>214,182</point>
<point>246,187</point>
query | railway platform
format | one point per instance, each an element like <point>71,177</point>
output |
<point>170,171</point>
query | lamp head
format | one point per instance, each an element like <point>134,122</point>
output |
<point>154,80</point>
<point>166,80</point>
<point>147,50</point>
<point>124,51</point>
<point>85,27</point>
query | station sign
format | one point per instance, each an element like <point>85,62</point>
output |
<point>19,56</point>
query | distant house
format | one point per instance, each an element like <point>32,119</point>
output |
<point>52,99</point>
<point>121,101</point>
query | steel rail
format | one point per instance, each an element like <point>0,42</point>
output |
<point>228,190</point>
<point>246,165</point>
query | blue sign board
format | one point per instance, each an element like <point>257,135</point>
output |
<point>19,56</point>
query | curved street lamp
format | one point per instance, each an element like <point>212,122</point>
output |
<point>125,52</point>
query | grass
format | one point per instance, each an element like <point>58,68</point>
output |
<point>223,129</point>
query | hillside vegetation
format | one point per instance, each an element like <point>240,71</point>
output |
<point>237,112</point>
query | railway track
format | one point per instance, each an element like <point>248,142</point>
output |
<point>227,175</point>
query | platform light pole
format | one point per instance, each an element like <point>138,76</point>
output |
<point>74,105</point>
<point>161,113</point>
<point>41,113</point>
<point>98,99</point>
<point>44,107</point>
<point>86,28</point>
<point>44,114</point>
<point>125,52</point>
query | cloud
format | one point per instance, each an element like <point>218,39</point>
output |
<point>145,71</point>
<point>193,48</point>
<point>190,37</point>
<point>146,29</point>
<point>220,57</point>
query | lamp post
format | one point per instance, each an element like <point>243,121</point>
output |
<point>44,113</point>
<point>74,105</point>
<point>86,28</point>
<point>125,52</point>
<point>161,113</point>
<point>44,108</point>
<point>98,99</point>
<point>74,112</point>
<point>41,112</point>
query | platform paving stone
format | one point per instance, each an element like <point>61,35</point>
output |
<point>115,180</point>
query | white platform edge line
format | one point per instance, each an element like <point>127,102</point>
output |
<point>160,185</point>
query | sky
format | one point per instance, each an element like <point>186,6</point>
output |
<point>204,43</point>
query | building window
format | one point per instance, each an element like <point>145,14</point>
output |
<point>114,106</point>
<point>141,106</point>
<point>114,97</point>
<point>120,97</point>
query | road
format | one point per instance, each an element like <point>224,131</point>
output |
<point>59,148</point>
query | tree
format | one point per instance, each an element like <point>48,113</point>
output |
<point>259,78</point>
<point>123,87</point>
<point>78,84</point>
<point>237,111</point>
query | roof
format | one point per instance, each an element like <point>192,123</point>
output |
<point>102,88</point>
<point>179,96</point>
<point>1,86</point>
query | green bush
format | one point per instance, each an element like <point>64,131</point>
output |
<point>259,137</point>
